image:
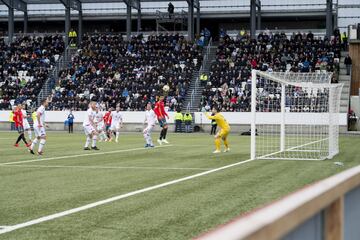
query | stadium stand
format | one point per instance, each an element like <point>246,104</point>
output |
<point>230,76</point>
<point>24,67</point>
<point>113,71</point>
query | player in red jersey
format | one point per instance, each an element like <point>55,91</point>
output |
<point>161,114</point>
<point>107,120</point>
<point>18,119</point>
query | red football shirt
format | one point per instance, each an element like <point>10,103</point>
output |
<point>160,109</point>
<point>107,118</point>
<point>18,118</point>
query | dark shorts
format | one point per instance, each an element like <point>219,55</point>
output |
<point>162,122</point>
<point>107,127</point>
<point>20,129</point>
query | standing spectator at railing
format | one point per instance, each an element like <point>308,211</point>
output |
<point>171,9</point>
<point>344,41</point>
<point>207,36</point>
<point>203,79</point>
<point>72,38</point>
<point>348,63</point>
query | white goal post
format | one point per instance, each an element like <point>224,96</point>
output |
<point>304,121</point>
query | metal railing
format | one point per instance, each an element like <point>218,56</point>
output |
<point>53,76</point>
<point>204,61</point>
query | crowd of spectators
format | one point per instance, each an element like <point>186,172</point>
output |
<point>25,65</point>
<point>229,84</point>
<point>112,71</point>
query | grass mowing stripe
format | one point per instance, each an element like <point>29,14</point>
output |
<point>116,198</point>
<point>103,167</point>
<point>82,155</point>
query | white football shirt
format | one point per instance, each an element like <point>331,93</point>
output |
<point>90,116</point>
<point>99,118</point>
<point>116,117</point>
<point>41,111</point>
<point>150,117</point>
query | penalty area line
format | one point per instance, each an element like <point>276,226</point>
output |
<point>82,155</point>
<point>116,198</point>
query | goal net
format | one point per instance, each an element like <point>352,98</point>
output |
<point>294,116</point>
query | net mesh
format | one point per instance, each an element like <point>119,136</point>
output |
<point>296,116</point>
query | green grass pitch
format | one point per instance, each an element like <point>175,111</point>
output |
<point>30,190</point>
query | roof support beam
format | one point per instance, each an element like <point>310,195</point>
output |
<point>15,5</point>
<point>133,3</point>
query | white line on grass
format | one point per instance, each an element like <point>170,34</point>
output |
<point>82,155</point>
<point>113,199</point>
<point>104,167</point>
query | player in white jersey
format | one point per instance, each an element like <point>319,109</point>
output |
<point>39,128</point>
<point>116,122</point>
<point>90,127</point>
<point>26,122</point>
<point>100,125</point>
<point>150,120</point>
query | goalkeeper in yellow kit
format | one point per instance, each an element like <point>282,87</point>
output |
<point>224,129</point>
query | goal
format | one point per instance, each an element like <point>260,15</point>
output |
<point>295,116</point>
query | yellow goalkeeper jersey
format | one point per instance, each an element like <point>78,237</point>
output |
<point>34,116</point>
<point>220,121</point>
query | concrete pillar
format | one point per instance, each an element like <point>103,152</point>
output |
<point>198,29</point>
<point>191,20</point>
<point>139,20</point>
<point>80,27</point>
<point>252,19</point>
<point>329,18</point>
<point>67,24</point>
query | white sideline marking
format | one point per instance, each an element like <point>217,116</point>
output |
<point>82,155</point>
<point>113,199</point>
<point>103,167</point>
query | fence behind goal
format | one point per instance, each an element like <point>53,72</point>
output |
<point>291,98</point>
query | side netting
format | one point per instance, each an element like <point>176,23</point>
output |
<point>304,121</point>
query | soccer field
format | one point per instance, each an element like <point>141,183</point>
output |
<point>66,179</point>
